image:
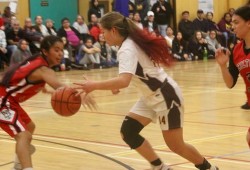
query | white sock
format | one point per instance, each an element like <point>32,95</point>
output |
<point>28,169</point>
<point>17,164</point>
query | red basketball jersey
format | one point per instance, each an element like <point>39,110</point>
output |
<point>20,89</point>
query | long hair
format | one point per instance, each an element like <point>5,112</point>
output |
<point>46,44</point>
<point>155,47</point>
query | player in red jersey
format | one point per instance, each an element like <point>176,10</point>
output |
<point>239,61</point>
<point>18,84</point>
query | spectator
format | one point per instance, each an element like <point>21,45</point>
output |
<point>81,27</point>
<point>21,53</point>
<point>179,48</point>
<point>226,28</point>
<point>40,27</point>
<point>169,37</point>
<point>197,46</point>
<point>6,16</point>
<point>94,28</point>
<point>50,27</point>
<point>33,37</point>
<point>94,9</point>
<point>186,26</point>
<point>88,54</point>
<point>13,36</point>
<point>105,53</point>
<point>212,43</point>
<point>3,49</point>
<point>142,7</point>
<point>137,20</point>
<point>200,23</point>
<point>163,12</point>
<point>150,25</point>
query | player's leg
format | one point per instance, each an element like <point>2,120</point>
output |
<point>131,128</point>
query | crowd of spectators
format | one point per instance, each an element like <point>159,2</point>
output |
<point>85,46</point>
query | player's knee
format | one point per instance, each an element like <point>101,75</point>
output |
<point>130,132</point>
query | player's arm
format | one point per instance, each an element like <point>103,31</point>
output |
<point>46,74</point>
<point>122,81</point>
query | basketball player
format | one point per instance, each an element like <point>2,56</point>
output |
<point>140,55</point>
<point>18,84</point>
<point>239,60</point>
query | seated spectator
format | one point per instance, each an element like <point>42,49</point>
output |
<point>197,45</point>
<point>137,20</point>
<point>33,37</point>
<point>212,43</point>
<point>142,7</point>
<point>105,53</point>
<point>3,49</point>
<point>71,34</point>
<point>186,26</point>
<point>13,36</point>
<point>149,24</point>
<point>94,28</point>
<point>50,27</point>
<point>88,54</point>
<point>179,48</point>
<point>94,9</point>
<point>169,36</point>
<point>213,26</point>
<point>81,27</point>
<point>226,28</point>
<point>40,27</point>
<point>21,53</point>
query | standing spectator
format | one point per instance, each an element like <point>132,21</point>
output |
<point>40,27</point>
<point>231,11</point>
<point>81,27</point>
<point>3,49</point>
<point>94,9</point>
<point>150,25</point>
<point>21,53</point>
<point>6,16</point>
<point>200,23</point>
<point>50,27</point>
<point>131,7</point>
<point>94,28</point>
<point>163,12</point>
<point>186,26</point>
<point>179,48</point>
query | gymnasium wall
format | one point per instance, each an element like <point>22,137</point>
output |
<point>220,7</point>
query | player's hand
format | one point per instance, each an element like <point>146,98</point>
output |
<point>115,91</point>
<point>222,56</point>
<point>88,101</point>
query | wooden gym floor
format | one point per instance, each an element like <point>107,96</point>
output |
<point>90,140</point>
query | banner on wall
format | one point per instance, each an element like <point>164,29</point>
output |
<point>206,5</point>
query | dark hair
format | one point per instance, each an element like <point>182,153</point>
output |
<point>243,12</point>
<point>64,19</point>
<point>46,44</point>
<point>185,12</point>
<point>155,47</point>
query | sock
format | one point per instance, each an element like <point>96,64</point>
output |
<point>204,166</point>
<point>17,164</point>
<point>28,169</point>
<point>156,162</point>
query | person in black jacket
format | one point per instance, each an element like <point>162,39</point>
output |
<point>186,26</point>
<point>163,12</point>
<point>94,9</point>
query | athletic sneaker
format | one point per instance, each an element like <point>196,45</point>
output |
<point>161,167</point>
<point>245,106</point>
<point>213,168</point>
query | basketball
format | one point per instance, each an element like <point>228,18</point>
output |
<point>64,102</point>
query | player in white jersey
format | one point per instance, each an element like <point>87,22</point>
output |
<point>140,55</point>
